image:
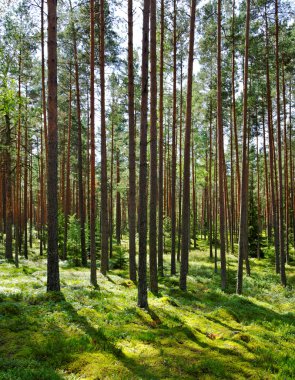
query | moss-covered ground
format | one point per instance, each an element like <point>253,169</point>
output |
<point>87,333</point>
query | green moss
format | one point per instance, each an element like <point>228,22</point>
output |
<point>87,333</point>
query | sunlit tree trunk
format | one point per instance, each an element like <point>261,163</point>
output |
<point>186,165</point>
<point>153,152</point>
<point>93,275</point>
<point>220,154</point>
<point>280,166</point>
<point>243,233</point>
<point>132,172</point>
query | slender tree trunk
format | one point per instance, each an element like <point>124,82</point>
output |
<point>186,169</point>
<point>142,214</point>
<point>258,197</point>
<point>79,150</point>
<point>118,202</point>
<point>153,152</point>
<point>292,208</point>
<point>286,166</point>
<point>43,82</point>
<point>161,143</point>
<point>104,190</point>
<point>93,275</point>
<point>17,200</point>
<point>194,200</point>
<point>111,189</point>
<point>266,180</point>
<point>26,186</point>
<point>220,154</point>
<point>53,283</point>
<point>8,190</point>
<point>31,196</point>
<point>68,168</point>
<point>180,168</point>
<point>243,233</point>
<point>132,172</point>
<point>280,166</point>
<point>271,153</point>
<point>210,183</point>
<point>234,116</point>
<point>173,179</point>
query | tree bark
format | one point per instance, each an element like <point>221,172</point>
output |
<point>280,166</point>
<point>186,165</point>
<point>132,171</point>
<point>142,214</point>
<point>243,233</point>
<point>53,283</point>
<point>93,275</point>
<point>104,190</point>
<point>173,179</point>
<point>220,154</point>
<point>161,143</point>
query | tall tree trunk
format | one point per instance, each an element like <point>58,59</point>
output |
<point>8,190</point>
<point>180,167</point>
<point>153,152</point>
<point>271,152</point>
<point>280,166</point>
<point>210,183</point>
<point>243,233</point>
<point>53,283</point>
<point>26,186</point>
<point>68,168</point>
<point>173,179</point>
<point>186,164</point>
<point>234,116</point>
<point>142,214</point>
<point>266,180</point>
<point>286,171</point>
<point>258,197</point>
<point>220,154</point>
<point>93,275</point>
<point>31,196</point>
<point>17,200</point>
<point>104,190</point>
<point>161,143</point>
<point>132,172</point>
<point>79,146</point>
<point>111,187</point>
<point>118,202</point>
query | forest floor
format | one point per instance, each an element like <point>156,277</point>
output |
<point>87,333</point>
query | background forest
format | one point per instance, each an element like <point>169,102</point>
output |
<point>147,182</point>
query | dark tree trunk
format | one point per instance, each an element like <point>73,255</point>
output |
<point>142,212</point>
<point>53,283</point>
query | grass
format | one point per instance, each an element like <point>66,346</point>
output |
<point>87,333</point>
